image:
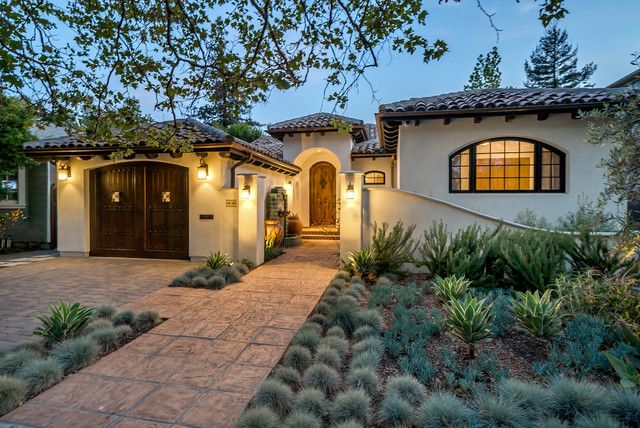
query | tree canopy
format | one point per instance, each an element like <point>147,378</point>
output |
<point>16,119</point>
<point>486,72</point>
<point>554,63</point>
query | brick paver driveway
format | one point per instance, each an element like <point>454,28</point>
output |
<point>201,367</point>
<point>26,290</point>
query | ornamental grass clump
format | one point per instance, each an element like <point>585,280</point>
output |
<point>181,281</point>
<point>199,282</point>
<point>323,308</point>
<point>370,359</point>
<point>363,263</point>
<point>450,287</point>
<point>328,356</point>
<point>231,274</point>
<point>126,317</point>
<point>529,396</point>
<point>406,387</point>
<point>40,374</point>
<point>319,319</point>
<point>105,311</point>
<point>349,424</point>
<point>469,320</point>
<point>372,318</point>
<point>297,357</point>
<point>312,401</point>
<point>340,345</point>
<point>13,392</point>
<point>499,412</point>
<point>322,377</point>
<point>365,378</point>
<point>444,410</point>
<point>258,417</point>
<point>343,275</point>
<point>597,421</point>
<point>352,292</point>
<point>125,333</point>
<point>288,375</point>
<point>344,315</point>
<point>351,404</point>
<point>145,321</point>
<point>216,282</point>
<point>14,360</point>
<point>302,420</point>
<point>275,395</point>
<point>75,354</point>
<point>336,331</point>
<point>338,284</point>
<point>107,338</point>
<point>307,338</point>
<point>97,324</point>
<point>538,314</point>
<point>625,405</point>
<point>63,321</point>
<point>371,343</point>
<point>311,326</point>
<point>395,411</point>
<point>363,332</point>
<point>241,267</point>
<point>359,287</point>
<point>570,398</point>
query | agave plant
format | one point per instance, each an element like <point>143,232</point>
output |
<point>470,320</point>
<point>64,321</point>
<point>363,263</point>
<point>538,314</point>
<point>218,260</point>
<point>451,287</point>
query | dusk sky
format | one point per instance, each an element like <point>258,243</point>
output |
<point>605,31</point>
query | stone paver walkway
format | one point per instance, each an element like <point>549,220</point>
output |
<point>26,290</point>
<point>19,259</point>
<point>200,367</point>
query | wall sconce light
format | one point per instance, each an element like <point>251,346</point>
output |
<point>351,193</point>
<point>289,186</point>
<point>203,170</point>
<point>246,191</point>
<point>64,171</point>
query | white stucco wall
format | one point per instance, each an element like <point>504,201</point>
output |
<point>384,164</point>
<point>424,150</point>
<point>205,197</point>
<point>338,144</point>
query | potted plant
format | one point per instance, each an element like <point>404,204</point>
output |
<point>294,225</point>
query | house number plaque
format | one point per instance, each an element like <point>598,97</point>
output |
<point>231,203</point>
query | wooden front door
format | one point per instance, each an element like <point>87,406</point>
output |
<point>322,194</point>
<point>140,209</point>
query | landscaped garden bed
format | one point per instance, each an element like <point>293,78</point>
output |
<point>72,337</point>
<point>515,329</point>
<point>217,271</point>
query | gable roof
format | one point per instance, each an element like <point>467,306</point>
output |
<point>627,80</point>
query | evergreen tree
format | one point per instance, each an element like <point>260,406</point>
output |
<point>486,73</point>
<point>554,63</point>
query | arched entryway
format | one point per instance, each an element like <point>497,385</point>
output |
<point>322,194</point>
<point>140,209</point>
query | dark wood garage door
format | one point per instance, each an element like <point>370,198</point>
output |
<point>140,209</point>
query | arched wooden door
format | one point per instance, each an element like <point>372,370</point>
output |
<point>322,194</point>
<point>140,209</point>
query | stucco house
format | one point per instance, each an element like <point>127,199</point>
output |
<point>466,157</point>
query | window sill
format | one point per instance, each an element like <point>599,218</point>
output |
<point>12,206</point>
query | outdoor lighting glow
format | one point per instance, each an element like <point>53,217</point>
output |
<point>246,191</point>
<point>203,170</point>
<point>64,171</point>
<point>351,193</point>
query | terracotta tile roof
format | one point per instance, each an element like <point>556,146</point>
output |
<point>312,121</point>
<point>270,145</point>
<point>503,99</point>
<point>369,146</point>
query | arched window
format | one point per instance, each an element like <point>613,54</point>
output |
<point>374,177</point>
<point>507,165</point>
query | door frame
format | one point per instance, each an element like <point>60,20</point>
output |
<point>311,194</point>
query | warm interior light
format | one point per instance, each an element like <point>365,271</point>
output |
<point>203,170</point>
<point>246,191</point>
<point>351,193</point>
<point>64,171</point>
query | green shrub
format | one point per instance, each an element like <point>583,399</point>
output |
<point>351,404</point>
<point>74,354</point>
<point>450,287</point>
<point>231,274</point>
<point>98,324</point>
<point>328,356</point>
<point>275,395</point>
<point>217,260</point>
<point>367,359</point>
<point>342,274</point>
<point>406,387</point>
<point>392,247</point>
<point>444,410</point>
<point>499,412</point>
<point>551,423</point>
<point>594,252</point>
<point>13,392</point>
<point>348,424</point>
<point>307,338</point>
<point>288,375</point>
<point>395,411</point>
<point>181,281</point>
<point>365,378</point>
<point>297,357</point>
<point>340,345</point>
<point>145,321</point>
<point>529,396</point>
<point>469,319</point>
<point>626,406</point>
<point>199,282</point>
<point>104,311</point>
<point>302,420</point>
<point>241,267</point>
<point>364,332</point>
<point>570,397</point>
<point>126,317</point>
<point>317,319</point>
<point>124,333</point>
<point>64,321</point>
<point>338,284</point>
<point>323,308</point>
<point>13,361</point>
<point>345,316</point>
<point>107,338</point>
<point>40,374</point>
<point>596,421</point>
<point>363,263</point>
<point>371,343</point>
<point>258,417</point>
<point>336,331</point>
<point>372,318</point>
<point>216,282</point>
<point>322,377</point>
<point>537,314</point>
<point>312,401</point>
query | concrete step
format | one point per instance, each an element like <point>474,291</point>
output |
<point>332,237</point>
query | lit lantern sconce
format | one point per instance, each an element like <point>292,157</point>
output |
<point>351,193</point>
<point>64,171</point>
<point>203,170</point>
<point>245,193</point>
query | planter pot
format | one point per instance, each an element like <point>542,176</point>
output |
<point>274,232</point>
<point>294,226</point>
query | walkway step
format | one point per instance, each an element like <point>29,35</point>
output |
<point>328,237</point>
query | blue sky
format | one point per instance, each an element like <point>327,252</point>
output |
<point>605,31</point>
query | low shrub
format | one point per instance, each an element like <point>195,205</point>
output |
<point>343,275</point>
<point>328,356</point>
<point>217,260</point>
<point>364,332</point>
<point>366,359</point>
<point>358,286</point>
<point>107,338</point>
<point>145,321</point>
<point>365,378</point>
<point>302,420</point>
<point>288,375</point>
<point>105,311</point>
<point>181,281</point>
<point>570,398</point>
<point>596,421</point>
<point>503,319</point>
<point>338,283</point>
<point>318,319</point>
<point>351,404</point>
<point>363,263</point>
<point>470,319</point>
<point>13,361</point>
<point>13,392</point>
<point>126,317</point>
<point>352,292</point>
<point>74,354</point>
<point>349,424</point>
<point>340,345</point>
<point>216,282</point>
<point>63,321</point>
<point>241,267</point>
<point>336,331</point>
<point>500,412</point>
<point>417,363</point>
<point>343,315</point>
<point>395,411</point>
<point>322,377</point>
<point>199,282</point>
<point>450,287</point>
<point>370,343</point>
<point>529,396</point>
<point>538,314</point>
<point>125,333</point>
<point>275,395</point>
<point>323,308</point>
<point>40,374</point>
<point>231,274</point>
<point>625,405</point>
<point>444,410</point>
<point>593,252</point>
<point>97,324</point>
<point>307,338</point>
<point>345,299</point>
<point>258,417</point>
<point>392,246</point>
<point>311,326</point>
<point>297,357</point>
<point>551,423</point>
<point>406,387</point>
<point>372,318</point>
<point>313,401</point>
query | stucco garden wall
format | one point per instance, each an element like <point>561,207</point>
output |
<point>423,162</point>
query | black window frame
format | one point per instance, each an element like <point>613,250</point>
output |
<point>384,178</point>
<point>537,167</point>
